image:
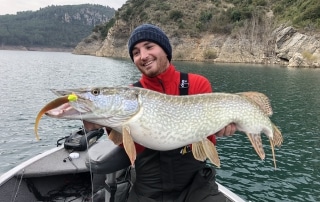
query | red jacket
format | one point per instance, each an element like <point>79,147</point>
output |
<point>168,83</point>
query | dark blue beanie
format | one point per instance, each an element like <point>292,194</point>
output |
<point>148,32</point>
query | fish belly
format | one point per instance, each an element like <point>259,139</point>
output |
<point>170,126</point>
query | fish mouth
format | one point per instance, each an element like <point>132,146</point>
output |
<point>67,106</point>
<point>65,111</point>
<point>70,110</point>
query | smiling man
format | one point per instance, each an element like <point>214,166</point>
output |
<point>169,175</point>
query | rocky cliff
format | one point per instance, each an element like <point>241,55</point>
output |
<point>297,49</point>
<point>255,42</point>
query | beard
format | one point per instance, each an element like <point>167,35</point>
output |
<point>162,64</point>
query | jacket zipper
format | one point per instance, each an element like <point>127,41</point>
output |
<point>161,83</point>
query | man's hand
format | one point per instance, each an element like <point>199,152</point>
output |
<point>227,131</point>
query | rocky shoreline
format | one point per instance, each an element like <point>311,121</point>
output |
<point>45,49</point>
<point>283,45</point>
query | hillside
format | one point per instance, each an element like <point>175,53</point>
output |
<point>196,18</point>
<point>53,26</point>
<point>250,31</point>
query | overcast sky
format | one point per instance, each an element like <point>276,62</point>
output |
<point>13,6</point>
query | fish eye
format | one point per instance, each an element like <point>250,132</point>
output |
<point>95,91</point>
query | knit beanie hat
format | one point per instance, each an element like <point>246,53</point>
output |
<point>148,32</point>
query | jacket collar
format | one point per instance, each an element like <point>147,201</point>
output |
<point>164,78</point>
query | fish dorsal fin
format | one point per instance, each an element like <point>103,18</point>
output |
<point>128,144</point>
<point>260,99</point>
<point>115,137</point>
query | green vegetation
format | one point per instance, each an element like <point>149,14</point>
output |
<point>53,26</point>
<point>175,15</point>
<point>308,56</point>
<point>210,54</point>
<point>65,26</point>
<point>189,17</point>
<point>104,28</point>
<point>301,13</point>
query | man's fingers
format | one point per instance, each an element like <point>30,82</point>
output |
<point>230,129</point>
<point>221,132</point>
<point>227,131</point>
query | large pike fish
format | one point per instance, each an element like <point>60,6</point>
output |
<point>165,122</point>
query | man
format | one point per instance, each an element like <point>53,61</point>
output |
<point>168,175</point>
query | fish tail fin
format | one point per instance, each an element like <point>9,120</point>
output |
<point>273,153</point>
<point>256,142</point>
<point>276,140</point>
<point>206,149</point>
<point>277,136</point>
<point>128,144</point>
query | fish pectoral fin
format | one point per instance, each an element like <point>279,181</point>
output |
<point>277,136</point>
<point>260,99</point>
<point>256,142</point>
<point>128,144</point>
<point>198,151</point>
<point>115,137</point>
<point>211,152</point>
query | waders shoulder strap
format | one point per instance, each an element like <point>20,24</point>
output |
<point>184,83</point>
<point>137,84</point>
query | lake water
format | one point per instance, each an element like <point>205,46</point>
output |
<point>26,77</point>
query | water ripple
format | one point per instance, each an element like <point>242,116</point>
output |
<point>26,78</point>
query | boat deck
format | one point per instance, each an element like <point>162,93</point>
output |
<point>52,176</point>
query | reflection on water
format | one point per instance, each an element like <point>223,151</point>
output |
<point>26,78</point>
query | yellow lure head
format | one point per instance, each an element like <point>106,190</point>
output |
<point>72,97</point>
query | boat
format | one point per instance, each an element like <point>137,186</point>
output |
<point>62,174</point>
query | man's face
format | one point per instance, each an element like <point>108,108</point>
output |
<point>150,58</point>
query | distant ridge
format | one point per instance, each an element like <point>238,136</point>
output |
<point>52,26</point>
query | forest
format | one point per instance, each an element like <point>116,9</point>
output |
<point>53,26</point>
